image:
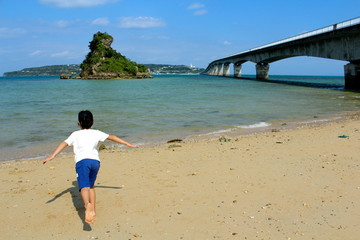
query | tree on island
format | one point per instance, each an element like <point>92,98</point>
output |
<point>103,62</point>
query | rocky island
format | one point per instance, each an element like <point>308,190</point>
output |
<point>103,62</point>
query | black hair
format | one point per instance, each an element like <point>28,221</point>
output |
<point>86,119</point>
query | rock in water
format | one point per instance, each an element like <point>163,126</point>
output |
<point>103,62</point>
<point>65,76</point>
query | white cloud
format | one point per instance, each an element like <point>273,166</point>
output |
<point>198,9</point>
<point>101,21</point>
<point>140,22</point>
<point>196,6</point>
<point>34,53</point>
<point>227,43</point>
<point>76,3</point>
<point>61,54</point>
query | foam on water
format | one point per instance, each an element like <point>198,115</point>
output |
<point>256,125</point>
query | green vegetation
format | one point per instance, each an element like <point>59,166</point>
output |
<point>173,69</point>
<point>104,62</point>
<point>54,70</point>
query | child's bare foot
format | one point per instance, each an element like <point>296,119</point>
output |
<point>89,214</point>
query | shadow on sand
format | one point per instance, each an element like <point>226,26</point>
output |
<point>78,202</point>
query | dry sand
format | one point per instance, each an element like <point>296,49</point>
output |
<point>301,183</point>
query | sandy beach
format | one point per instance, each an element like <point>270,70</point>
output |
<point>297,183</point>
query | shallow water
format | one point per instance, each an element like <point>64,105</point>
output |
<point>39,112</point>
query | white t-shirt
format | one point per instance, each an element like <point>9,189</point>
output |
<point>85,143</point>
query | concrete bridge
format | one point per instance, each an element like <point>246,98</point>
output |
<point>340,41</point>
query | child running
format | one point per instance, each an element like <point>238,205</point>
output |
<point>87,159</point>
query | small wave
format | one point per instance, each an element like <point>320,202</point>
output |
<point>256,125</point>
<point>321,120</point>
<point>228,130</point>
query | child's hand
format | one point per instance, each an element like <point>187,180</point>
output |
<point>47,159</point>
<point>61,146</point>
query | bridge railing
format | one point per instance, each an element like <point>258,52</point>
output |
<point>349,23</point>
<point>330,28</point>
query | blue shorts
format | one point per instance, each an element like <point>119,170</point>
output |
<point>86,172</point>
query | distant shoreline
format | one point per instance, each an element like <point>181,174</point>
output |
<point>74,70</point>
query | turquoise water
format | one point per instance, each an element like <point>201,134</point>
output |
<point>39,112</point>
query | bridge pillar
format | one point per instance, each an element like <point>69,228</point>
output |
<point>211,70</point>
<point>237,70</point>
<point>262,71</point>
<point>352,75</point>
<point>220,69</point>
<point>226,70</point>
<point>214,70</point>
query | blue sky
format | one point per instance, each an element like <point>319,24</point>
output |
<point>47,32</point>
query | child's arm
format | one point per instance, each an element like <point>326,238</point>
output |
<point>119,140</point>
<point>56,152</point>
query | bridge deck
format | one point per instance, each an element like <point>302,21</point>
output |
<point>337,26</point>
<point>339,41</point>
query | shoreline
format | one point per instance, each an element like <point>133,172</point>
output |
<point>239,130</point>
<point>293,183</point>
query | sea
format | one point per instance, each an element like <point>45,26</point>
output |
<point>37,113</point>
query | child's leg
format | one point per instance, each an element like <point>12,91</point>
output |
<point>85,195</point>
<point>93,199</point>
<point>87,170</point>
<point>89,208</point>
<point>92,179</point>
